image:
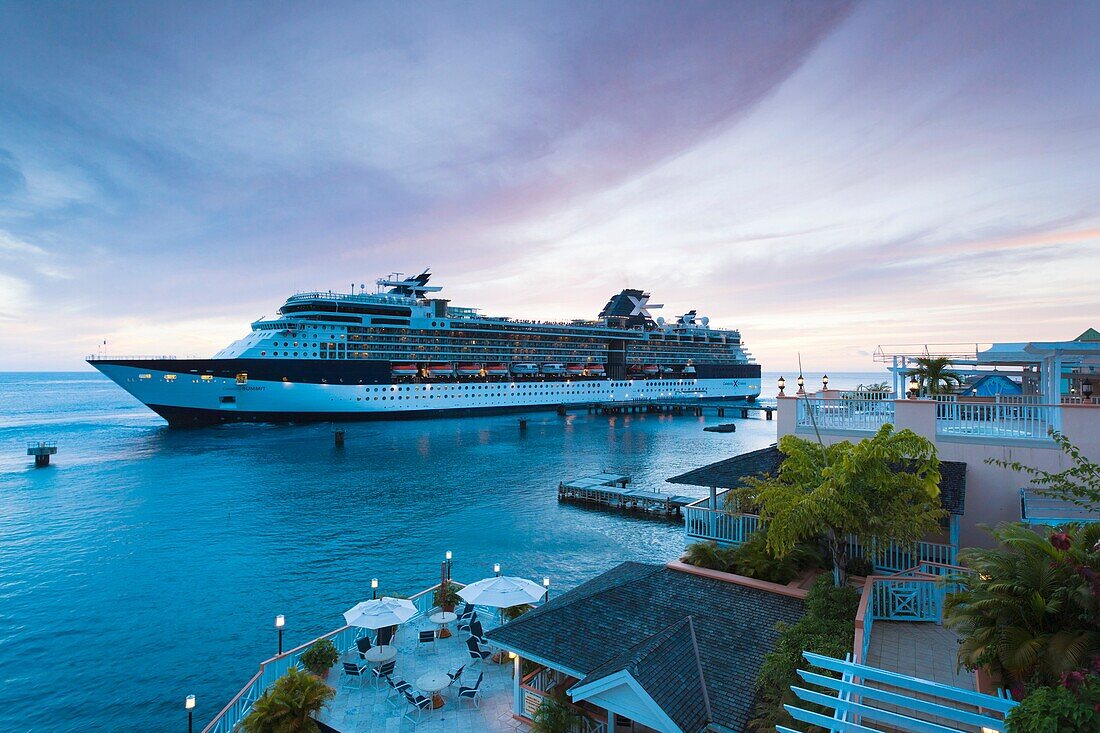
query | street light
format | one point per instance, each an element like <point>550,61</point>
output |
<point>448,557</point>
<point>914,387</point>
<point>280,622</point>
<point>374,588</point>
<point>546,585</point>
<point>496,569</point>
<point>782,386</point>
<point>801,383</point>
<point>189,703</point>
<point>824,381</point>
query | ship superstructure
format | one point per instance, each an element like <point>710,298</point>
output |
<point>405,351</point>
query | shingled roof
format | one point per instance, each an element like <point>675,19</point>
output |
<point>694,644</point>
<point>731,472</point>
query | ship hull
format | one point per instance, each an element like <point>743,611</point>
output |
<point>204,392</point>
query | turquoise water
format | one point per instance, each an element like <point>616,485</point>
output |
<point>147,564</point>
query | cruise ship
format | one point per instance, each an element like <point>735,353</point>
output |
<point>403,351</point>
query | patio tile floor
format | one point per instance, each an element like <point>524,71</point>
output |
<point>366,710</point>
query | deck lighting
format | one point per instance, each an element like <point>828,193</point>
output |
<point>496,569</point>
<point>914,387</point>
<point>824,381</point>
<point>782,386</point>
<point>448,557</point>
<point>801,383</point>
<point>189,704</point>
<point>374,588</point>
<point>1086,388</point>
<point>280,622</point>
<point>546,585</point>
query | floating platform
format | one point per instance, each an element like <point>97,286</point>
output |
<point>609,490</point>
<point>723,428</point>
<point>42,450</point>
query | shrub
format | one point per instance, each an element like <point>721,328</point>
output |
<point>554,716</point>
<point>710,556</point>
<point>827,628</point>
<point>859,566</point>
<point>290,704</point>
<point>754,560</point>
<point>320,657</point>
<point>446,595</point>
<point>1070,707</point>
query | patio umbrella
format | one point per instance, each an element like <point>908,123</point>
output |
<point>380,613</point>
<point>503,592</point>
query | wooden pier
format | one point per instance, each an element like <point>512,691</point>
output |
<point>609,490</point>
<point>676,407</point>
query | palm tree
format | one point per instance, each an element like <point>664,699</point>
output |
<point>934,376</point>
<point>1027,610</point>
<point>554,716</point>
<point>289,706</point>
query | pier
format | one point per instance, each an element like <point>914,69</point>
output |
<point>42,450</point>
<point>609,490</point>
<point>676,407</point>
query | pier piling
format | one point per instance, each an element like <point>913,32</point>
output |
<point>523,423</point>
<point>41,450</point>
<point>339,437</point>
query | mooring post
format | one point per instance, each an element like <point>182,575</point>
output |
<point>41,450</point>
<point>523,423</point>
<point>338,436</point>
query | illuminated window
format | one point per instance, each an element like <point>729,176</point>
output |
<point>207,377</point>
<point>169,377</point>
<point>145,376</point>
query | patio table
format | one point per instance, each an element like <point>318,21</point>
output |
<point>441,619</point>
<point>432,684</point>
<point>380,654</point>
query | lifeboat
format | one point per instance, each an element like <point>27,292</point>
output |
<point>525,369</point>
<point>651,369</point>
<point>404,370</point>
<point>496,370</point>
<point>553,370</point>
<point>689,369</point>
<point>441,370</point>
<point>596,370</point>
<point>575,370</point>
<point>468,370</point>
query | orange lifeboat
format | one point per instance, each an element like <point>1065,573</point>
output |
<point>441,370</point>
<point>468,370</point>
<point>404,370</point>
<point>596,370</point>
<point>574,370</point>
<point>496,370</point>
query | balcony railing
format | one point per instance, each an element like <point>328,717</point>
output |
<point>830,413</point>
<point>997,419</point>
<point>540,685</point>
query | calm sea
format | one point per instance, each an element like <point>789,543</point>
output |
<point>147,564</point>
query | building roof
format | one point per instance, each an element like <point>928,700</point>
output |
<point>731,472</point>
<point>988,385</point>
<point>1090,334</point>
<point>694,644</point>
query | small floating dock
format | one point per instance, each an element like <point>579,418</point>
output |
<point>609,490</point>
<point>42,450</point>
<point>728,427</point>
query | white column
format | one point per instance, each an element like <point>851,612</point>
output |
<point>517,692</point>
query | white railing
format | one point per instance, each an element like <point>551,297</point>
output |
<point>1074,400</point>
<point>844,414</point>
<point>130,357</point>
<point>996,420</point>
<point>866,394</point>
<point>718,525</point>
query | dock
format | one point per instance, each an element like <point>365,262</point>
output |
<point>677,406</point>
<point>609,490</point>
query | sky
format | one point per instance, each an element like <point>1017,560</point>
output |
<point>824,176</point>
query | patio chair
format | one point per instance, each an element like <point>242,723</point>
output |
<point>476,652</point>
<point>475,628</point>
<point>354,674</point>
<point>473,694</point>
<point>385,635</point>
<point>456,675</point>
<point>363,645</point>
<point>398,686</point>
<point>425,637</point>
<point>384,670</point>
<point>419,703</point>
<point>467,615</point>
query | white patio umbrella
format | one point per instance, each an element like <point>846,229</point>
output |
<point>380,613</point>
<point>502,592</point>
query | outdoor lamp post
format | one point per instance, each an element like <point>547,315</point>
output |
<point>824,381</point>
<point>914,388</point>
<point>374,588</point>
<point>448,558</point>
<point>280,622</point>
<point>189,703</point>
<point>496,569</point>
<point>782,386</point>
<point>546,585</point>
<point>801,384</point>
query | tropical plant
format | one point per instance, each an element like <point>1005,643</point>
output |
<point>753,559</point>
<point>290,704</point>
<point>1070,707</point>
<point>1079,484</point>
<point>513,612</point>
<point>934,375</point>
<point>880,490</point>
<point>446,595</point>
<point>859,566</point>
<point>554,715</point>
<point>1029,610</point>
<point>709,555</point>
<point>320,656</point>
<point>827,628</point>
